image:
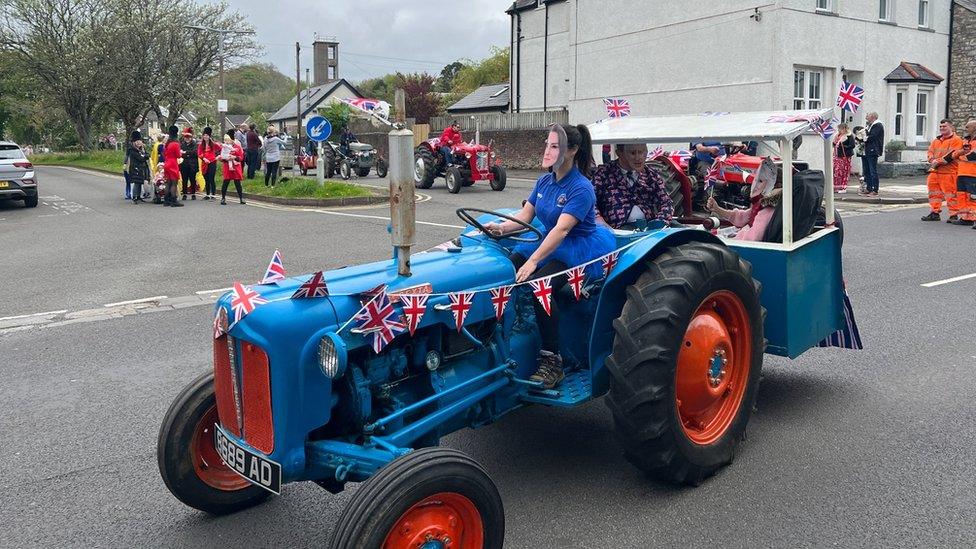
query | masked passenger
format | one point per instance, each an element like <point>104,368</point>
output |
<point>565,203</point>
<point>763,197</point>
<point>628,191</point>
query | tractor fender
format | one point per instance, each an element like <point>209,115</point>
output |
<point>630,265</point>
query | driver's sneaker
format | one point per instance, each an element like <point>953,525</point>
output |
<point>550,370</point>
<point>952,219</point>
<point>933,216</point>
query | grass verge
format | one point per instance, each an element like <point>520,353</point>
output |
<point>110,161</point>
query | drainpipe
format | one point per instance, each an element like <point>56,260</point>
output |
<point>952,18</point>
<point>518,64</point>
<point>545,59</point>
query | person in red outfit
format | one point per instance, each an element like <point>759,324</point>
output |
<point>232,158</point>
<point>172,158</point>
<point>207,151</point>
<point>449,137</point>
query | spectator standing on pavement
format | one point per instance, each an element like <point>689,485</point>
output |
<point>207,151</point>
<point>137,166</point>
<point>965,158</point>
<point>253,151</point>
<point>843,151</point>
<point>272,156</point>
<point>941,181</point>
<point>232,157</point>
<point>191,163</point>
<point>628,191</point>
<point>172,158</point>
<point>873,147</point>
<point>241,135</point>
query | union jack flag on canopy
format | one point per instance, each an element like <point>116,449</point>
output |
<point>380,320</point>
<point>617,108</point>
<point>850,96</point>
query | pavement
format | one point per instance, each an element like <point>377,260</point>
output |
<point>851,449</point>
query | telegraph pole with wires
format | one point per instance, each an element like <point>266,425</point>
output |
<point>298,96</point>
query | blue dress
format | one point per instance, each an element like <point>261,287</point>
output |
<point>573,195</point>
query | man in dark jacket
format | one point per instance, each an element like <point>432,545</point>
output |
<point>252,155</point>
<point>345,139</point>
<point>137,166</point>
<point>191,163</point>
<point>873,147</point>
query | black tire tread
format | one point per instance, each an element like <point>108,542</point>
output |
<point>428,180</point>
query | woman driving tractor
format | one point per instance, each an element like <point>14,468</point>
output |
<point>565,203</point>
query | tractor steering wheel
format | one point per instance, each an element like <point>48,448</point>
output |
<point>526,227</point>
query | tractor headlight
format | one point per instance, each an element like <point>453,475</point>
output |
<point>332,355</point>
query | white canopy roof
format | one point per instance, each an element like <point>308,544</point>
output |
<point>711,126</point>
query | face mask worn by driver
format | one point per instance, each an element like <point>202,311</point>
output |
<point>554,157</point>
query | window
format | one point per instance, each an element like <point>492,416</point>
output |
<point>921,114</point>
<point>923,13</point>
<point>332,73</point>
<point>332,52</point>
<point>884,10</point>
<point>807,89</point>
<point>899,114</point>
<point>824,5</point>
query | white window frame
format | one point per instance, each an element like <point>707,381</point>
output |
<point>825,6</point>
<point>805,99</point>
<point>924,14</point>
<point>922,117</point>
<point>886,14</point>
<point>899,122</point>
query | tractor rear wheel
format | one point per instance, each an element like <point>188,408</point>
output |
<point>436,497</point>
<point>454,178</point>
<point>686,362</point>
<point>188,460</point>
<point>423,168</point>
<point>498,184</point>
<point>673,185</point>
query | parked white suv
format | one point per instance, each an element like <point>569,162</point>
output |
<point>17,179</point>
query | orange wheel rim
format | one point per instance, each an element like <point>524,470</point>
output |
<point>713,367</point>
<point>443,520</point>
<point>206,461</point>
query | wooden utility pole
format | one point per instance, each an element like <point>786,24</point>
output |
<point>298,96</point>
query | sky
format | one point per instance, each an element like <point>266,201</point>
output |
<point>377,37</point>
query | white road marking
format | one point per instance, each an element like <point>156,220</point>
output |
<point>136,301</point>
<point>89,172</point>
<point>217,291</point>
<point>948,280</point>
<point>34,314</point>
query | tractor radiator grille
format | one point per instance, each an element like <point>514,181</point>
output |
<point>482,161</point>
<point>225,385</point>
<point>242,383</point>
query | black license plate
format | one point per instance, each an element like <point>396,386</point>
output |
<point>256,469</point>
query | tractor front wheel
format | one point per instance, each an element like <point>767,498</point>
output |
<point>498,183</point>
<point>345,169</point>
<point>686,362</point>
<point>454,178</point>
<point>188,460</point>
<point>381,168</point>
<point>433,497</point>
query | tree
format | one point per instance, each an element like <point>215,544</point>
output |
<point>381,88</point>
<point>491,70</point>
<point>446,81</point>
<point>338,114</point>
<point>256,87</point>
<point>421,101</point>
<point>65,44</point>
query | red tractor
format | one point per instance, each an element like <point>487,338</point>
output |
<point>470,162</point>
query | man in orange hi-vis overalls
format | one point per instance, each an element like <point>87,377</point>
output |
<point>942,173</point>
<point>965,157</point>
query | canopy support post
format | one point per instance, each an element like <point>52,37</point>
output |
<point>786,154</point>
<point>829,181</point>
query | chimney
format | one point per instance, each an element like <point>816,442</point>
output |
<point>325,60</point>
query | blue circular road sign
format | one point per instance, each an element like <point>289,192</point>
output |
<point>318,128</point>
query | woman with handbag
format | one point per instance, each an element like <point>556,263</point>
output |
<point>843,151</point>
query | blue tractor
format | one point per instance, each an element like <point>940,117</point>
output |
<point>673,336</point>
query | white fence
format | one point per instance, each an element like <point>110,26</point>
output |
<point>503,120</point>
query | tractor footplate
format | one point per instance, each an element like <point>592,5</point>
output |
<point>574,389</point>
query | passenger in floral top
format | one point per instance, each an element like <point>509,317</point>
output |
<point>628,191</point>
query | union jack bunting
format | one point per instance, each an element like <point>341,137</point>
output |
<point>373,292</point>
<point>576,278</point>
<point>617,108</point>
<point>414,307</point>
<point>850,96</point>
<point>379,319</point>
<point>782,118</point>
<point>542,289</point>
<point>244,300</point>
<point>609,262</point>
<point>220,323</point>
<point>275,271</point>
<point>656,152</point>
<point>499,298</point>
<point>461,303</point>
<point>362,103</point>
<point>314,287</point>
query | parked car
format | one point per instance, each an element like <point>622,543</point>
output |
<point>17,179</point>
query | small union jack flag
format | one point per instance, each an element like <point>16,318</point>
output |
<point>244,300</point>
<point>499,298</point>
<point>220,322</point>
<point>314,287</point>
<point>850,96</point>
<point>609,262</point>
<point>617,108</point>
<point>373,292</point>
<point>542,288</point>
<point>714,174</point>
<point>576,278</point>
<point>380,319</point>
<point>680,158</point>
<point>414,307</point>
<point>656,152</point>
<point>461,303</point>
<point>275,271</point>
<point>823,127</point>
<point>362,103</point>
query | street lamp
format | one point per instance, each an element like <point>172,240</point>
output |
<point>220,57</point>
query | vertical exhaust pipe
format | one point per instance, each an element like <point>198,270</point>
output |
<point>403,204</point>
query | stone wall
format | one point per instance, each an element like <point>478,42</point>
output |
<point>962,92</point>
